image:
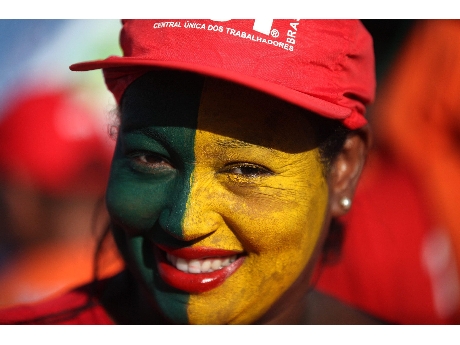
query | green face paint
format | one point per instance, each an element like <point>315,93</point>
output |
<point>222,182</point>
<point>158,126</point>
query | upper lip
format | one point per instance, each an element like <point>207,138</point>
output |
<point>191,253</point>
<point>192,278</point>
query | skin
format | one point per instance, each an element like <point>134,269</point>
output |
<point>201,162</point>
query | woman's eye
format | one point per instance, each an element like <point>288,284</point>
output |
<point>248,170</point>
<point>151,160</point>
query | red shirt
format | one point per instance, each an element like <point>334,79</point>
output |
<point>77,307</point>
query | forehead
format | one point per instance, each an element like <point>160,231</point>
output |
<point>185,100</point>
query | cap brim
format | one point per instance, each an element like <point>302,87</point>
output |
<point>309,102</point>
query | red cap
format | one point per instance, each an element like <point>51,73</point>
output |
<point>51,142</point>
<point>325,66</point>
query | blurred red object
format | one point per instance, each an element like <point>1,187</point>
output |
<point>54,143</point>
<point>55,156</point>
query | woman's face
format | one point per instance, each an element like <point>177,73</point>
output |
<point>217,196</point>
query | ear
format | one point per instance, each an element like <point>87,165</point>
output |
<point>346,169</point>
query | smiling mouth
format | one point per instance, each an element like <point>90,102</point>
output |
<point>207,265</point>
<point>198,269</point>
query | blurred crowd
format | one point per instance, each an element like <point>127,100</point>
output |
<point>54,159</point>
<point>54,163</point>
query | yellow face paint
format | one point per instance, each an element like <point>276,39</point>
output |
<point>258,188</point>
<point>202,173</point>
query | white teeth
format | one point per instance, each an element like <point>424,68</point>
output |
<point>226,262</point>
<point>216,264</point>
<point>201,265</point>
<point>205,265</point>
<point>194,266</point>
<point>182,265</point>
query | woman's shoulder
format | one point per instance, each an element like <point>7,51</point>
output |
<point>79,306</point>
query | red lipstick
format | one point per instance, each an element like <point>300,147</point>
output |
<point>195,282</point>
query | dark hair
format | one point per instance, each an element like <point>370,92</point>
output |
<point>330,136</point>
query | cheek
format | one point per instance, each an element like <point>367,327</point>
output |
<point>284,234</point>
<point>279,226</point>
<point>287,215</point>
<point>132,202</point>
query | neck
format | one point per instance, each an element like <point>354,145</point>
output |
<point>127,304</point>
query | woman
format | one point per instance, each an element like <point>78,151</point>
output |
<point>235,152</point>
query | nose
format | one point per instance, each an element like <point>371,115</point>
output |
<point>200,218</point>
<point>193,215</point>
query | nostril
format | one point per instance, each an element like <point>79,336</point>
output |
<point>171,223</point>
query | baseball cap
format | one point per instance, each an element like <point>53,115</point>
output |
<point>52,142</point>
<point>325,66</point>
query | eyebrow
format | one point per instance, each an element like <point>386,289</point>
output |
<point>232,143</point>
<point>224,143</point>
<point>239,144</point>
<point>153,134</point>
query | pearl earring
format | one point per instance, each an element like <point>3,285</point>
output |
<point>345,203</point>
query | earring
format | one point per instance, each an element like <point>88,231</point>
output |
<point>345,203</point>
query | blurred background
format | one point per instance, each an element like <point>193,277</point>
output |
<point>55,155</point>
<point>400,248</point>
<point>401,244</point>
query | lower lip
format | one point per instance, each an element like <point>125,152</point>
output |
<point>194,283</point>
